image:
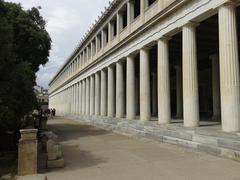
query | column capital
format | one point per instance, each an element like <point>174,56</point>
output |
<point>191,24</point>
<point>230,3</point>
<point>165,38</point>
<point>145,48</point>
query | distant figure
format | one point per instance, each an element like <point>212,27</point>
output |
<point>54,112</point>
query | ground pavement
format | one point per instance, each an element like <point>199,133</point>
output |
<point>94,154</point>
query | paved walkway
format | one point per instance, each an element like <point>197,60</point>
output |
<point>94,154</point>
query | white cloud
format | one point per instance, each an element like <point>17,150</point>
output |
<point>67,21</point>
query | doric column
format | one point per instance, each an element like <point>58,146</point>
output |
<point>164,107</point>
<point>84,97</point>
<point>118,24</point>
<point>229,68</point>
<point>103,38</point>
<point>97,94</point>
<point>145,111</point>
<point>73,100</point>
<point>97,44</point>
<point>215,87</point>
<point>103,93</point>
<point>154,93</point>
<point>119,90</point>
<point>109,32</point>
<point>80,99</point>
<point>92,89</point>
<point>190,77</point>
<point>131,107</point>
<point>179,92</point>
<point>160,4</point>
<point>111,92</point>
<point>87,96</point>
<point>77,98</point>
<point>91,50</point>
<point>142,6</point>
<point>130,11</point>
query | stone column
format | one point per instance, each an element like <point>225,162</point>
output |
<point>119,90</point>
<point>103,39</point>
<point>190,76</point>
<point>27,152</point>
<point>97,44</point>
<point>84,97</point>
<point>160,4</point>
<point>118,25</point>
<point>215,87</point>
<point>72,100</point>
<point>103,93</point>
<point>131,107</point>
<point>164,106</point>
<point>87,96</point>
<point>179,92</point>
<point>229,68</point>
<point>80,99</point>
<point>97,94</point>
<point>111,92</point>
<point>142,6</point>
<point>109,32</point>
<point>130,11</point>
<point>92,89</point>
<point>145,110</point>
<point>77,98</point>
<point>154,93</point>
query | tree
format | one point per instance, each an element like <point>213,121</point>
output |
<point>24,46</point>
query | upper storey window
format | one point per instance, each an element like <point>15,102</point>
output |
<point>137,8</point>
<point>105,35</point>
<point>114,27</point>
<point>123,17</point>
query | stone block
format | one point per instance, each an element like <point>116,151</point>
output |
<point>209,149</point>
<point>28,134</point>
<point>155,137</point>
<point>59,163</point>
<point>235,155</point>
<point>205,139</point>
<point>32,177</point>
<point>180,135</point>
<point>51,145</point>
<point>229,144</point>
<point>27,152</point>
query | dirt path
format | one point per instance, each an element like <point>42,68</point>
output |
<point>94,154</point>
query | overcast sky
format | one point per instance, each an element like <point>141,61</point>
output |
<point>67,22</point>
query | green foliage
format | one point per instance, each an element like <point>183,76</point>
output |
<point>24,46</point>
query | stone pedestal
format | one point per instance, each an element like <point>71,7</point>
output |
<point>27,152</point>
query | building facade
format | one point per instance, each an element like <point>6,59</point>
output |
<point>162,60</point>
